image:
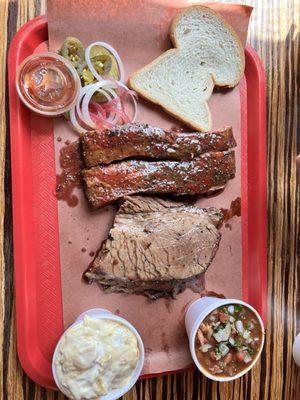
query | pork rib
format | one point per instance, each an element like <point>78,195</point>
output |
<point>144,141</point>
<point>105,184</point>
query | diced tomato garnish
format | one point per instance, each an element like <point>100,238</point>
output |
<point>223,317</point>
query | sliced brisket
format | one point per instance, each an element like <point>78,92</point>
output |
<point>156,247</point>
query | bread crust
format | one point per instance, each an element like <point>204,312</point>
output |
<point>175,50</point>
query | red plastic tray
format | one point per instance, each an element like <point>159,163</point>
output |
<point>36,249</point>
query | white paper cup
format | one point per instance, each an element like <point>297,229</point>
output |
<point>296,350</point>
<point>101,313</point>
<point>196,313</point>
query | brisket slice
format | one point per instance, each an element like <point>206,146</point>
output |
<point>144,141</point>
<point>105,184</point>
<point>156,247</point>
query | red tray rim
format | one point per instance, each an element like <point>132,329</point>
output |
<point>32,360</point>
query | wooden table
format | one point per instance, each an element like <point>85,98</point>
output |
<point>274,33</point>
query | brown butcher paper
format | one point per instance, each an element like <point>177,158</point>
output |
<point>138,30</point>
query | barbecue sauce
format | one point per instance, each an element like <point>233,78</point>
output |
<point>234,210</point>
<point>48,84</point>
<point>70,176</point>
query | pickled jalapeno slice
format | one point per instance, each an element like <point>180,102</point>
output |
<point>104,62</point>
<point>73,50</point>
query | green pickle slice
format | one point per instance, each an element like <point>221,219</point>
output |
<point>104,62</point>
<point>73,50</point>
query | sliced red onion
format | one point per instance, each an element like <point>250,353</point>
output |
<point>96,87</point>
<point>100,121</point>
<point>82,93</point>
<point>84,90</point>
<point>98,108</point>
<point>133,95</point>
<point>113,118</point>
<point>85,105</point>
<point>108,114</point>
<point>74,121</point>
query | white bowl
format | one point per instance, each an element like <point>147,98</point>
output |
<point>101,313</point>
<point>196,313</point>
<point>296,350</point>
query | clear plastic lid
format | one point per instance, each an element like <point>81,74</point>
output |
<point>48,84</point>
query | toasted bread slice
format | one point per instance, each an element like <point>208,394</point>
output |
<point>207,52</point>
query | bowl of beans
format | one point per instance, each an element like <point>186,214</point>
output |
<point>226,337</point>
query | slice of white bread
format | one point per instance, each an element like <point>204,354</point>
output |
<point>207,52</point>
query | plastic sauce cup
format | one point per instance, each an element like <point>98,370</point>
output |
<point>100,313</point>
<point>195,315</point>
<point>48,84</point>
